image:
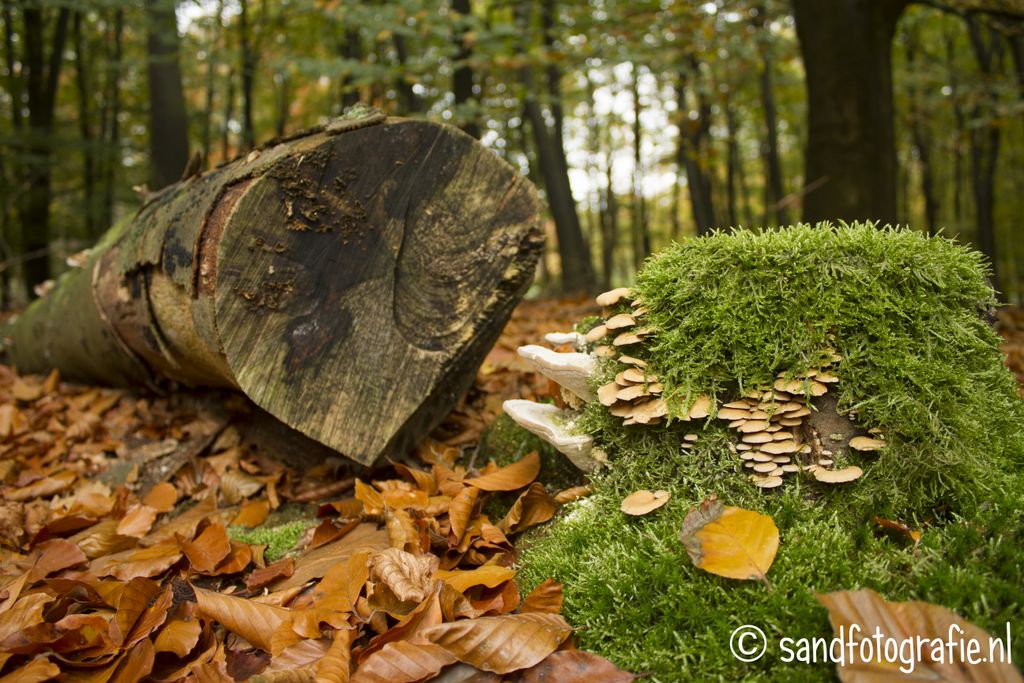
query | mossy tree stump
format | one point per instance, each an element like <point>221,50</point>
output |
<point>349,280</point>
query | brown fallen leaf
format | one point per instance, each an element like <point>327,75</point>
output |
<point>315,563</point>
<point>460,511</point>
<point>254,621</point>
<point>37,670</point>
<point>259,578</point>
<point>903,621</point>
<point>161,497</point>
<point>575,666</point>
<point>403,662</point>
<point>178,636</point>
<point>489,575</point>
<point>208,549</point>
<point>504,643</point>
<point>898,528</point>
<point>545,597</point>
<point>730,541</point>
<point>137,521</point>
<point>534,506</point>
<point>574,493</point>
<point>252,514</point>
<point>408,576</point>
<point>336,665</point>
<point>511,477</point>
<point>643,501</point>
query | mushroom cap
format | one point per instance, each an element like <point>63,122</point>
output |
<point>766,482</point>
<point>838,476</point>
<point>570,370</point>
<point>866,443</point>
<point>638,375</point>
<point>700,408</point>
<point>552,424</point>
<point>630,360</point>
<point>780,447</point>
<point>764,467</point>
<point>733,414</point>
<point>619,321</point>
<point>643,501</point>
<point>631,392</point>
<point>596,334</point>
<point>607,394</point>
<point>751,426</point>
<point>757,437</point>
<point>612,297</point>
<point>649,410</point>
<point>560,338</point>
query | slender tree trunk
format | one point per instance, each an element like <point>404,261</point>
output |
<point>851,141</point>
<point>552,72</point>
<point>112,125</point>
<point>462,76</point>
<point>229,114</point>
<point>85,128</point>
<point>960,136</point>
<point>211,82</point>
<point>42,76</point>
<point>732,164</point>
<point>168,122</point>
<point>985,142</point>
<point>919,131</point>
<point>248,70</point>
<point>577,271</point>
<point>641,238</point>
<point>775,212</point>
<point>610,229</point>
<point>411,103</point>
<point>691,154</point>
<point>351,49</point>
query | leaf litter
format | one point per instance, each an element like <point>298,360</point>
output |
<point>120,558</point>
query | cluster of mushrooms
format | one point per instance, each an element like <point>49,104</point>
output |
<point>774,425</point>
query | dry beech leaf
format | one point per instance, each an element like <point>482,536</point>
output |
<point>511,477</point>
<point>315,563</point>
<point>490,575</point>
<point>402,532</point>
<point>408,576</point>
<point>403,662</point>
<point>903,621</point>
<point>252,514</point>
<point>575,666</point>
<point>461,509</point>
<point>254,621</point>
<point>574,493</point>
<point>534,506</point>
<point>137,521</point>
<point>372,500</point>
<point>336,665</point>
<point>546,597</point>
<point>643,501</point>
<point>504,643</point>
<point>730,541</point>
<point>147,562</point>
<point>38,670</point>
<point>208,549</point>
<point>161,497</point>
<point>898,528</point>
<point>427,614</point>
<point>179,637</point>
<point>259,578</point>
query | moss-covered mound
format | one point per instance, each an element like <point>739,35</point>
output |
<point>909,317</point>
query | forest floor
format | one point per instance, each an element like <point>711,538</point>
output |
<point>162,537</point>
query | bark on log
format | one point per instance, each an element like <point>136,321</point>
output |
<point>348,280</point>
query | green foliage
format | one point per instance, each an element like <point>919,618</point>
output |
<point>280,539</point>
<point>908,314</point>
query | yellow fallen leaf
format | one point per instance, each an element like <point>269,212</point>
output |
<point>643,501</point>
<point>730,541</point>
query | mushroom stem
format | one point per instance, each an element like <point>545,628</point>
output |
<point>570,370</point>
<point>552,424</point>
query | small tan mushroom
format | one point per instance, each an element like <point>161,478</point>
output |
<point>790,422</point>
<point>621,409</point>
<point>803,411</point>
<point>826,377</point>
<point>733,414</point>
<point>604,351</point>
<point>700,408</point>
<point>612,297</point>
<point>631,392</point>
<point>818,389</point>
<point>751,426</point>
<point>791,468</point>
<point>655,388</point>
<point>736,423</point>
<point>744,447</point>
<point>620,321</point>
<point>740,405</point>
<point>757,437</point>
<point>782,459</point>
<point>607,394</point>
<point>767,482</point>
<point>780,447</point>
<point>596,334</point>
<point>761,457</point>
<point>649,410</point>
<point>622,380</point>
<point>748,455</point>
<point>838,476</point>
<point>866,443</point>
<point>764,467</point>
<point>691,437</point>
<point>630,360</point>
<point>781,435</point>
<point>777,472</point>
<point>627,338</point>
<point>793,386</point>
<point>637,375</point>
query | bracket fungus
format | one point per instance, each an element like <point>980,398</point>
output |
<point>554,425</point>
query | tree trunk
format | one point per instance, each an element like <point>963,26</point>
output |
<point>851,142</point>
<point>577,271</point>
<point>42,76</point>
<point>168,123</point>
<point>462,76</point>
<point>112,121</point>
<point>985,143</point>
<point>774,209</point>
<point>349,281</point>
<point>919,133</point>
<point>732,165</point>
<point>248,71</point>
<point>691,154</point>
<point>411,103</point>
<point>85,128</point>
<point>641,238</point>
<point>211,82</point>
<point>351,49</point>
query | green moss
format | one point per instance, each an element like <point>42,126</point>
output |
<point>907,313</point>
<point>280,539</point>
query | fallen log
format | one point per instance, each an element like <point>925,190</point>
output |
<point>348,280</point>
